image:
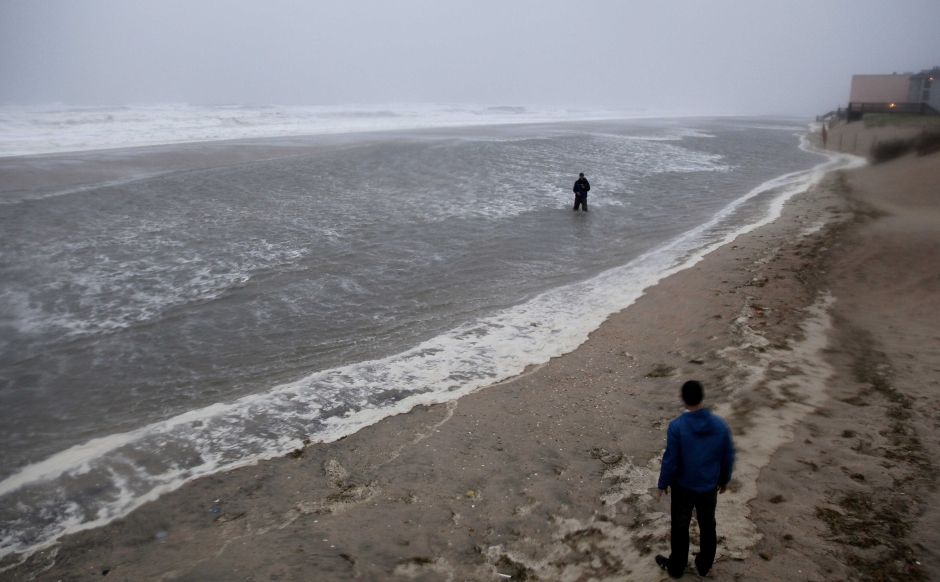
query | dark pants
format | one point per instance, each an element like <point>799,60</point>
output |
<point>580,201</point>
<point>683,501</point>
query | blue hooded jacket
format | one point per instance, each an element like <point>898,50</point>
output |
<point>699,452</point>
<point>581,187</point>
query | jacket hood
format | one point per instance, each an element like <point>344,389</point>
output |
<point>700,421</point>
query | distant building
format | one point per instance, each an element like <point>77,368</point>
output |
<point>922,88</point>
<point>917,93</point>
<point>880,88</point>
<point>883,96</point>
<point>905,93</point>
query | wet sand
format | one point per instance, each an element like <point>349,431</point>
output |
<point>815,337</point>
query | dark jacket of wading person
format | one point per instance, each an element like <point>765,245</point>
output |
<point>697,467</point>
<point>581,188</point>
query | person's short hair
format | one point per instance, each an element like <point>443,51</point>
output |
<point>693,392</point>
<point>581,174</point>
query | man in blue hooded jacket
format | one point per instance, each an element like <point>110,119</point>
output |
<point>697,467</point>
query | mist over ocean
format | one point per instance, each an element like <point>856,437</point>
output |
<point>172,325</point>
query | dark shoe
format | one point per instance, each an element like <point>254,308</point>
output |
<point>700,572</point>
<point>663,562</point>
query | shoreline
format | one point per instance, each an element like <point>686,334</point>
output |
<point>386,415</point>
<point>77,456</point>
<point>576,511</point>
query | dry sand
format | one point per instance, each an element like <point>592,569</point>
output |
<point>816,338</point>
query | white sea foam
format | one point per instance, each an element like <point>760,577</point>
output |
<point>676,134</point>
<point>26,130</point>
<point>132,468</point>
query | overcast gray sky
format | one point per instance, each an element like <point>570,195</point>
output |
<point>683,56</point>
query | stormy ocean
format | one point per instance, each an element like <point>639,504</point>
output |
<point>173,323</point>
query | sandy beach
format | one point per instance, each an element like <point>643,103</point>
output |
<point>815,337</point>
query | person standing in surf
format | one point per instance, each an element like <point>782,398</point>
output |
<point>697,466</point>
<point>581,188</point>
